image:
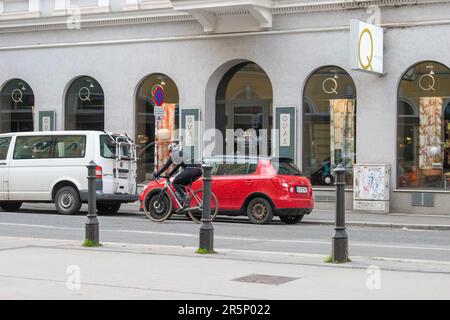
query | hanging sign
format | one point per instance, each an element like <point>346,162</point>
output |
<point>366,52</point>
<point>159,96</point>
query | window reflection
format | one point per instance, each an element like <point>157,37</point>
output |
<point>329,125</point>
<point>423,127</point>
<point>85,105</point>
<point>146,124</point>
<point>16,106</point>
<point>244,103</point>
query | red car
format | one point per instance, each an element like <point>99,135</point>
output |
<point>260,188</point>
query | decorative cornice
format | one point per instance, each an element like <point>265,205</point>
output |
<point>401,25</point>
<point>345,5</point>
<point>144,16</point>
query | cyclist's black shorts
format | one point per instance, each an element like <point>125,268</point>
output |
<point>187,176</point>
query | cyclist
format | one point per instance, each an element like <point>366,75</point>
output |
<point>190,173</point>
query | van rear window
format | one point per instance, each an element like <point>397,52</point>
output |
<point>108,147</point>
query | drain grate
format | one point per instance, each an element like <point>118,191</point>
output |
<point>265,279</point>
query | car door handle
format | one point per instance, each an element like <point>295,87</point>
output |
<point>249,181</point>
<point>3,163</point>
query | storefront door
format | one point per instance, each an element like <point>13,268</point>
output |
<point>250,122</point>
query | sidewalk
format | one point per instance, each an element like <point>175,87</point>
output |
<point>49,269</point>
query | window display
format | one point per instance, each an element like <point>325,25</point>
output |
<point>244,103</point>
<point>156,89</point>
<point>423,131</point>
<point>329,125</point>
<point>17,107</point>
<point>85,105</point>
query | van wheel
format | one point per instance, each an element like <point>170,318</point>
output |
<point>108,208</point>
<point>291,219</point>
<point>67,200</point>
<point>10,206</point>
<point>260,211</point>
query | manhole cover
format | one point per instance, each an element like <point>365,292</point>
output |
<point>265,279</point>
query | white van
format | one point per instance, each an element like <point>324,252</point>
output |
<point>51,167</point>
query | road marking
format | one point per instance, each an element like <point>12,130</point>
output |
<point>229,238</point>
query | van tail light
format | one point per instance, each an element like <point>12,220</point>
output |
<point>280,184</point>
<point>98,172</point>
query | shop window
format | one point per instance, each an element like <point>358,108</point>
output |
<point>423,127</point>
<point>244,103</point>
<point>149,155</point>
<point>85,105</point>
<point>17,107</point>
<point>329,125</point>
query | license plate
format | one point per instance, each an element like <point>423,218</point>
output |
<point>301,189</point>
<point>123,175</point>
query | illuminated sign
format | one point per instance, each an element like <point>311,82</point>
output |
<point>366,51</point>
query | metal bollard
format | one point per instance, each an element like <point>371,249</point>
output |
<point>92,225</point>
<point>340,239</point>
<point>207,228</point>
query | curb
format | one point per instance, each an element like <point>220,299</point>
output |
<point>382,225</point>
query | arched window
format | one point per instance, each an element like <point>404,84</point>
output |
<point>85,105</point>
<point>147,124</point>
<point>244,101</point>
<point>329,125</point>
<point>423,127</point>
<point>17,107</point>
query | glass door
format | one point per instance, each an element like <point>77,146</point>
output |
<point>251,125</point>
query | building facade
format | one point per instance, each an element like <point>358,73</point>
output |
<point>234,64</point>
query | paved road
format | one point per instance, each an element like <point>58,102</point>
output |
<point>278,237</point>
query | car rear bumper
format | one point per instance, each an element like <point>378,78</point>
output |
<point>292,212</point>
<point>289,203</point>
<point>111,197</point>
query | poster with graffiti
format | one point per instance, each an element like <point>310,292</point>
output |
<point>371,182</point>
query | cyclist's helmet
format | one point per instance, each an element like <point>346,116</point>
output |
<point>173,145</point>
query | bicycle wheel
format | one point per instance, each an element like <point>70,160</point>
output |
<point>159,210</point>
<point>196,201</point>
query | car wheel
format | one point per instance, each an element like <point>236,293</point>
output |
<point>67,200</point>
<point>10,206</point>
<point>291,219</point>
<point>260,211</point>
<point>108,208</point>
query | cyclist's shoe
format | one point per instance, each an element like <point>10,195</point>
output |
<point>184,206</point>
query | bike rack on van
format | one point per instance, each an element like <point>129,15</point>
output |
<point>118,156</point>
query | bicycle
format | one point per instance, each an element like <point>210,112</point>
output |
<point>161,204</point>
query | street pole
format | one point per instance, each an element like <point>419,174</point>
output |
<point>207,228</point>
<point>340,239</point>
<point>92,226</point>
